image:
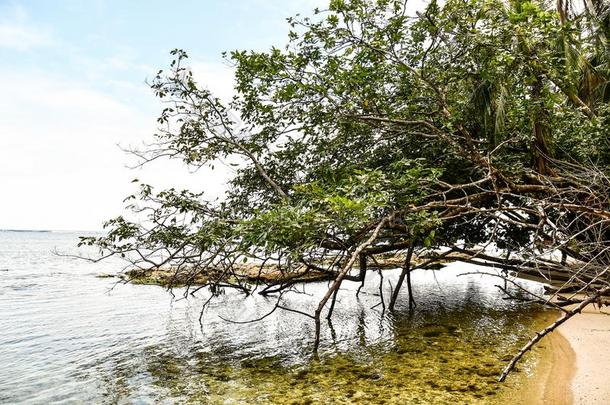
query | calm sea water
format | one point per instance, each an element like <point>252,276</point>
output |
<point>67,336</point>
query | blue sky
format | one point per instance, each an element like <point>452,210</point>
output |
<point>73,72</point>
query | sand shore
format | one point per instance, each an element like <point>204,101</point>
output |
<point>575,364</point>
<point>550,383</point>
<point>588,334</point>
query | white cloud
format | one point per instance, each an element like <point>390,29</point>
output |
<point>216,77</point>
<point>17,33</point>
<point>60,166</point>
<point>22,38</point>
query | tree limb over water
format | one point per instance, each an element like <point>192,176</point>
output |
<point>477,129</point>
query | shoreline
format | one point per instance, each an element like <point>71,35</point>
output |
<point>574,367</point>
<point>588,334</point>
<point>556,369</point>
<point>549,381</point>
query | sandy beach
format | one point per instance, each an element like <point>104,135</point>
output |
<point>575,365</point>
<point>588,335</point>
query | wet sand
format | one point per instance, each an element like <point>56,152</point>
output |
<point>550,383</point>
<point>574,366</point>
<point>560,371</point>
<point>588,334</point>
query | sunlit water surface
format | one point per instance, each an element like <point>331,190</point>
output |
<point>68,336</point>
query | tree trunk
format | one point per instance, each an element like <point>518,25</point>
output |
<point>406,272</point>
<point>542,131</point>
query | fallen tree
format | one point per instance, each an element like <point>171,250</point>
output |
<point>473,130</point>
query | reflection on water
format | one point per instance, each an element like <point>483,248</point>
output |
<point>66,335</point>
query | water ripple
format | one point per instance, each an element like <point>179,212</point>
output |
<point>67,336</point>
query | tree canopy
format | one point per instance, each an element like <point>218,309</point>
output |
<point>378,128</point>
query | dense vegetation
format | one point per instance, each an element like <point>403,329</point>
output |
<point>468,124</point>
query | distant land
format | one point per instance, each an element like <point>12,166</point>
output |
<point>53,231</point>
<point>24,230</point>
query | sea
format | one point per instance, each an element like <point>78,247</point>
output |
<point>73,333</point>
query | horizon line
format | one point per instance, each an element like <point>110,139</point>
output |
<point>47,230</point>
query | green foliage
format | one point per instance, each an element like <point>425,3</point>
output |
<point>368,112</point>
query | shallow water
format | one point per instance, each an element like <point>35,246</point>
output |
<point>67,336</point>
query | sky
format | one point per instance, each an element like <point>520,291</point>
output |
<point>73,88</point>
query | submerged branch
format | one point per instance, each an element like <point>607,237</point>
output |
<point>539,335</point>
